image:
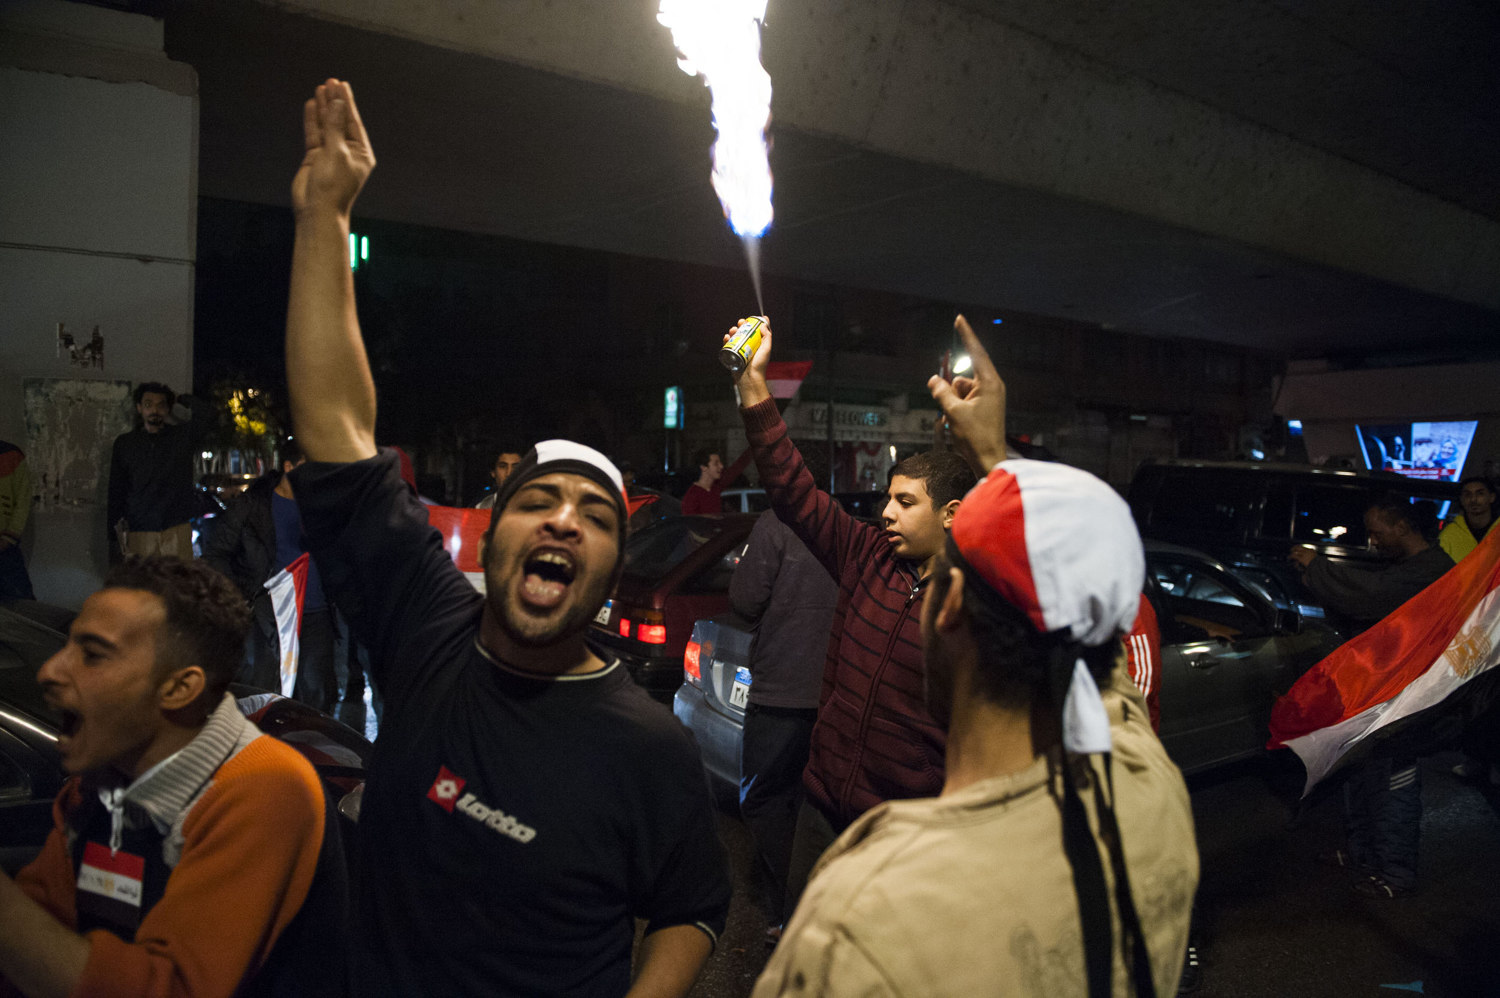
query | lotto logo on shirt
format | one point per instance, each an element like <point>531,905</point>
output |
<point>445,789</point>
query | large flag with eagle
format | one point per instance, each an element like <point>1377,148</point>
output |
<point>1433,646</point>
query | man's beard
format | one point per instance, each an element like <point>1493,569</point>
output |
<point>528,631</point>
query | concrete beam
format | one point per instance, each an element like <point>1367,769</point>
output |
<point>935,82</point>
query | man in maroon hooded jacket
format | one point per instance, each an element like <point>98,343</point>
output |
<point>874,739</point>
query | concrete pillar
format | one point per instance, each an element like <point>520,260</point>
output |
<point>97,231</point>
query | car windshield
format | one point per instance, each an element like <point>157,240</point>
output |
<point>659,548</point>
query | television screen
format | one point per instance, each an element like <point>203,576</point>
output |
<point>1434,451</point>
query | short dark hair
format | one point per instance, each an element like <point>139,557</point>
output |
<point>702,455</point>
<point>1014,657</point>
<point>1481,479</point>
<point>508,447</point>
<point>207,618</point>
<point>1396,511</point>
<point>158,388</point>
<point>944,474</point>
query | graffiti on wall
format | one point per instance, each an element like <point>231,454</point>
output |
<point>71,426</point>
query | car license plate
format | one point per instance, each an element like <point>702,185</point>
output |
<point>602,617</point>
<point>739,693</point>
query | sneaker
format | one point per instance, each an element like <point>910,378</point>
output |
<point>1375,886</point>
<point>1192,973</point>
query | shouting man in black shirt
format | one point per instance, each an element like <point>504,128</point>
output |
<point>527,801</point>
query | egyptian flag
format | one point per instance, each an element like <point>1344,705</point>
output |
<point>784,377</point>
<point>1429,649</point>
<point>462,531</point>
<point>288,587</point>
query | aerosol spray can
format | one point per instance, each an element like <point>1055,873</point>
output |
<point>736,354</point>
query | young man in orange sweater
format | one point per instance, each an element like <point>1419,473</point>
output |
<point>186,840</point>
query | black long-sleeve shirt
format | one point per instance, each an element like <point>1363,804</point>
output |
<point>151,474</point>
<point>1368,593</point>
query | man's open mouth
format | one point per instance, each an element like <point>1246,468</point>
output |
<point>70,722</point>
<point>545,578</point>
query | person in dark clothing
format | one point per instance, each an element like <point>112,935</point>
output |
<point>790,598</point>
<point>258,535</point>
<point>1383,794</point>
<point>526,801</point>
<point>874,739</point>
<point>15,509</point>
<point>703,496</point>
<point>151,492</point>
<point>1363,594</point>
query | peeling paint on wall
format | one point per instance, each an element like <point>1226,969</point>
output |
<point>70,427</point>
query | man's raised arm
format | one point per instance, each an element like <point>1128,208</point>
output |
<point>328,375</point>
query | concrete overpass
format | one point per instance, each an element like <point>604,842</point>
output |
<point>1305,181</point>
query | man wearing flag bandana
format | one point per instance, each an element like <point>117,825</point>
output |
<point>999,883</point>
<point>527,801</point>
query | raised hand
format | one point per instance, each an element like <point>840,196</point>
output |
<point>974,407</point>
<point>339,157</point>
<point>751,382</point>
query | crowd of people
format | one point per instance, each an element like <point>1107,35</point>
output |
<point>950,767</point>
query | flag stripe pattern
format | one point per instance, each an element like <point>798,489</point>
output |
<point>287,588</point>
<point>1424,652</point>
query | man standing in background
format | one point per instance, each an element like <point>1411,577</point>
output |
<point>151,495</point>
<point>258,535</point>
<point>15,507</point>
<point>790,598</point>
<point>505,463</point>
<point>1476,514</point>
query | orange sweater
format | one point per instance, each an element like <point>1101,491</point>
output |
<point>250,846</point>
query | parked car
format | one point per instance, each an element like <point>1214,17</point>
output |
<point>744,499</point>
<point>1227,652</point>
<point>676,571</point>
<point>1250,515</point>
<point>31,771</point>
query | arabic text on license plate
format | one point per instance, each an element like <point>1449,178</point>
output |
<point>739,693</point>
<point>602,617</point>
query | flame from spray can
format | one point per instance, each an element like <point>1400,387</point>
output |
<point>719,40</point>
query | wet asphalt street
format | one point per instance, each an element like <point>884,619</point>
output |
<point>1273,922</point>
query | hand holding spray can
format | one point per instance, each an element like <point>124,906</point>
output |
<point>741,346</point>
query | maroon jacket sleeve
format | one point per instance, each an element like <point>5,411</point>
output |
<point>829,532</point>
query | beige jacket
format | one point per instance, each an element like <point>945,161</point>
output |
<point>971,894</point>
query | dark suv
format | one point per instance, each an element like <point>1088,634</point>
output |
<point>1251,515</point>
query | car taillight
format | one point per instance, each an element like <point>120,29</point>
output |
<point>690,662</point>
<point>624,627</point>
<point>652,634</point>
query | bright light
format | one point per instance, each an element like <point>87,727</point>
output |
<point>997,321</point>
<point>353,251</point>
<point>1337,532</point>
<point>364,247</point>
<point>719,40</point>
<point>963,364</point>
<point>893,453</point>
<point>207,455</point>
